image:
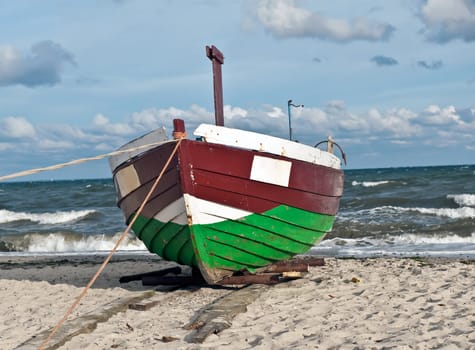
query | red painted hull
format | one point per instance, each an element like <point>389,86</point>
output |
<point>221,174</point>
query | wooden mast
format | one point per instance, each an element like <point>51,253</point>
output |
<point>217,58</point>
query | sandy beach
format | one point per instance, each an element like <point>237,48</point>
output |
<point>346,304</point>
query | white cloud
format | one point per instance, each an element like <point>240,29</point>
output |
<point>434,115</point>
<point>47,144</point>
<point>64,131</point>
<point>276,112</point>
<point>435,126</point>
<point>268,119</point>
<point>396,123</point>
<point>401,142</point>
<point>104,147</point>
<point>100,121</point>
<point>42,66</point>
<point>17,127</point>
<point>448,20</point>
<point>284,19</point>
<point>102,124</point>
<point>393,123</point>
<point>153,118</point>
<point>312,123</point>
<point>234,112</point>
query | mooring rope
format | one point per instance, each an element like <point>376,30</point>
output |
<point>106,261</point>
<point>79,161</point>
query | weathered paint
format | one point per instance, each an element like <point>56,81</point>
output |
<point>264,143</point>
<point>222,174</point>
<point>127,180</point>
<point>137,146</point>
<point>169,240</point>
<point>204,212</point>
<point>217,58</point>
<point>256,240</point>
<point>247,243</point>
<point>218,208</point>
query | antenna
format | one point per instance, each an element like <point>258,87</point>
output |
<point>290,104</point>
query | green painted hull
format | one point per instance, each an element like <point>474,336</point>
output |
<point>248,243</point>
<point>169,240</point>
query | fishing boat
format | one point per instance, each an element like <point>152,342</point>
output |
<point>229,201</point>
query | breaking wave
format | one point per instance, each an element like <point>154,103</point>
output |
<point>405,245</point>
<point>58,217</point>
<point>68,243</point>
<point>369,183</point>
<point>389,210</point>
<point>463,199</point>
<point>452,213</point>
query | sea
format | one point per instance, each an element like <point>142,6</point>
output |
<point>390,212</point>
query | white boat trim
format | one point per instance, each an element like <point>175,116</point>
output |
<point>204,212</point>
<point>265,143</point>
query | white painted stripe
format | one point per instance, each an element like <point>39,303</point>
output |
<point>181,219</point>
<point>272,171</point>
<point>265,143</point>
<point>204,212</point>
<point>127,180</point>
<point>174,212</point>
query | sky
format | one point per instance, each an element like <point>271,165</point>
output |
<point>393,82</point>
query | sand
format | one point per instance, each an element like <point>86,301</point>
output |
<point>346,304</point>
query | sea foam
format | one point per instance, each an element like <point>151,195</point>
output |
<point>57,243</point>
<point>58,217</point>
<point>400,245</point>
<point>369,183</point>
<point>463,199</point>
<point>452,213</point>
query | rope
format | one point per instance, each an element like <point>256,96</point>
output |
<point>78,161</point>
<point>122,237</point>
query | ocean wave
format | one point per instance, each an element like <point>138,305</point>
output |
<point>435,239</point>
<point>54,243</point>
<point>404,245</point>
<point>463,199</point>
<point>452,213</point>
<point>369,183</point>
<point>65,243</point>
<point>58,217</point>
<point>400,239</point>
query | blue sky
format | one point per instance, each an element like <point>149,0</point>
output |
<point>393,82</point>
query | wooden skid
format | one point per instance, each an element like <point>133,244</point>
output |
<point>174,270</point>
<point>276,273</point>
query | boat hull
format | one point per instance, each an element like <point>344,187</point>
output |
<point>225,209</point>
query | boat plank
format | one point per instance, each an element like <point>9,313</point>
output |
<point>165,194</point>
<point>242,193</point>
<point>238,163</point>
<point>218,316</point>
